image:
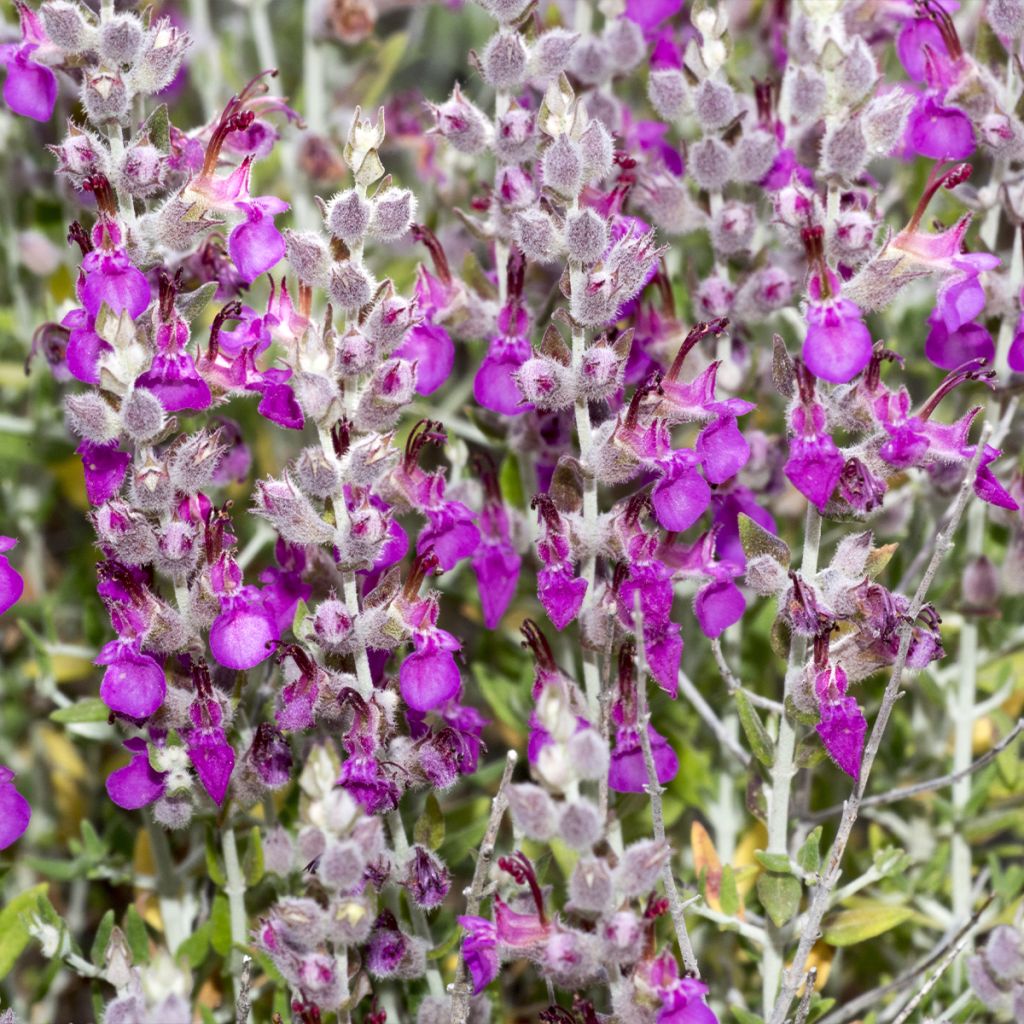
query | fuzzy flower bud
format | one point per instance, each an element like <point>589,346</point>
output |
<point>503,63</point>
<point>348,216</point>
<point>562,167</point>
<point>710,164</point>
<point>66,26</point>
<point>596,150</point>
<point>533,811</point>
<point>550,53</point>
<point>464,126</point>
<point>350,286</point>
<point>668,93</point>
<point>105,97</point>
<point>142,415</point>
<point>714,104</point>
<point>393,211</point>
<point>535,233</point>
<point>121,39</point>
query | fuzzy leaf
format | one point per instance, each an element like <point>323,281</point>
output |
<point>849,927</point>
<point>732,905</point>
<point>756,540</point>
<point>91,709</point>
<point>102,937</point>
<point>879,559</point>
<point>196,946</point>
<point>510,481</point>
<point>158,128</point>
<point>220,925</point>
<point>809,855</point>
<point>213,868</point>
<point>776,862</point>
<point>13,931</point>
<point>136,935</point>
<point>745,1016</point>
<point>780,896</point>
<point>429,828</point>
<point>753,728</point>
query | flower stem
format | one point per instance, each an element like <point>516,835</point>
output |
<point>234,889</point>
<point>784,768</point>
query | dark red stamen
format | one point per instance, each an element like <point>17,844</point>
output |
<point>969,371</point>
<point>520,868</point>
<point>696,333</point>
<point>423,234</point>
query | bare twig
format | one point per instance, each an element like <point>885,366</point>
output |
<point>242,1002</point>
<point>735,686</point>
<point>929,785</point>
<point>820,900</point>
<point>962,939</point>
<point>675,903</point>
<point>710,719</point>
<point>474,894</point>
<point>804,1009</point>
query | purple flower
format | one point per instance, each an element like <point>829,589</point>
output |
<point>815,463</point>
<point>108,277</point>
<point>137,783</point>
<point>11,584</point>
<point>134,683</point>
<point>718,605</point>
<point>627,772</point>
<point>31,87</point>
<point>214,760</point>
<point>480,950</point>
<point>451,533</point>
<point>842,726</point>
<point>649,14</point>
<point>952,348</point>
<point>494,386</point>
<point>14,810</point>
<point>431,348</point>
<point>270,756</point>
<point>427,879</point>
<point>243,633</point>
<point>682,494</point>
<point>85,346</point>
<point>561,593</point>
<point>105,466</point>
<point>942,133</point>
<point>362,778</point>
<point>256,245</point>
<point>722,449</point>
<point>429,677</point>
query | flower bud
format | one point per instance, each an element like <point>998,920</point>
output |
<point>590,61</point>
<point>535,233</point>
<point>177,551</point>
<point>503,64</point>
<point>163,52</point>
<point>505,11</point>
<point>624,41</point>
<point>174,812</point>
<point>514,187</point>
<point>980,586</point>
<point>315,474</point>
<point>332,626</point>
<point>732,228</point>
<point>772,289</point>
<point>127,532</point>
<point>601,373</point>
<point>569,958</point>
<point>80,156</point>
<point>844,151</point>
<point>668,93</point>
<point>807,94</point>
<point>854,235</point>
<point>121,38</point>
<point>596,149</point>
<point>349,919</point>
<point>710,164</point>
<point>715,297</point>
<point>550,53</point>
<point>1004,953</point>
<point>308,256</point>
<point>754,154</point>
<point>66,26</point>
<point>105,97</point>
<point>426,879</point>
<point>640,867</point>
<point>580,825</point>
<point>290,512</point>
<point>391,387</point>
<point>278,851</point>
<point>342,865</point>
<point>462,124</point>
<point>562,167</point>
<point>393,211</point>
<point>515,140</point>
<point>348,216</point>
<point>194,462</point>
<point>590,886</point>
<point>533,811</point>
<point>91,417</point>
<point>714,104</point>
<point>151,487</point>
<point>884,120</point>
<point>623,935</point>
<point>586,236</point>
<point>350,286</point>
<point>389,320</point>
<point>858,72</point>
<point>1005,16</point>
<point>588,753</point>
<point>142,171</point>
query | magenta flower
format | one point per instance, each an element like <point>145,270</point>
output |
<point>110,278</point>
<point>137,783</point>
<point>938,132</point>
<point>494,386</point>
<point>15,812</point>
<point>718,605</point>
<point>627,772</point>
<point>842,726</point>
<point>649,14</point>
<point>495,560</point>
<point>31,88</point>
<point>85,346</point>
<point>134,683</point>
<point>256,245</point>
<point>431,348</point>
<point>815,463</point>
<point>11,584</point>
<point>105,466</point>
<point>244,632</point>
<point>208,749</point>
<point>682,494</point>
<point>480,950</point>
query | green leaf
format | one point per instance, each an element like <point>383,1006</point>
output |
<point>776,862</point>
<point>135,933</point>
<point>438,952</point>
<point>99,943</point>
<point>809,855</point>
<point>92,709</point>
<point>511,482</point>
<point>745,1016</point>
<point>95,848</point>
<point>158,128</point>
<point>252,862</point>
<point>196,946</point>
<point>213,868</point>
<point>728,894</point>
<point>429,828</point>
<point>301,614</point>
<point>496,690</point>
<point>191,304</point>
<point>866,922</point>
<point>753,728</point>
<point>756,540</point>
<point>13,933</point>
<point>780,896</point>
<point>220,925</point>
<point>207,1014</point>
